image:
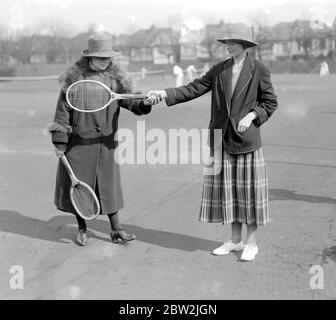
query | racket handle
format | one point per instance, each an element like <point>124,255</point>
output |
<point>74,180</point>
<point>133,96</point>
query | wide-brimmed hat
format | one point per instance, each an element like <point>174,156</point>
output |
<point>239,33</point>
<point>101,46</point>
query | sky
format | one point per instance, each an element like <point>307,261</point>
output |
<point>126,16</point>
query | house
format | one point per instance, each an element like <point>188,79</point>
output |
<point>210,48</point>
<point>283,44</point>
<point>137,46</point>
<point>166,46</point>
<point>189,44</point>
<point>184,45</point>
<point>153,45</point>
<point>298,38</point>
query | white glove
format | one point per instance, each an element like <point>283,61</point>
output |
<point>156,96</point>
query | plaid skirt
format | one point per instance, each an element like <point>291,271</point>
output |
<point>239,193</point>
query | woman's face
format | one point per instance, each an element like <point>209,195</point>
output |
<point>235,49</point>
<point>100,63</point>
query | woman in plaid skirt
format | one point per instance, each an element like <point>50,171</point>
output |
<point>242,100</point>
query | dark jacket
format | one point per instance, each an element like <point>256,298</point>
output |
<point>89,138</point>
<point>254,91</point>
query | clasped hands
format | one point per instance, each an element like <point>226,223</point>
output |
<point>155,97</point>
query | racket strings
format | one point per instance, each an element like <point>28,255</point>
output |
<point>88,96</point>
<point>85,201</point>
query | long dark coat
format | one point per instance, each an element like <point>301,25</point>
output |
<point>253,92</point>
<point>89,139</point>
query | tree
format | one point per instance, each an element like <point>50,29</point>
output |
<point>167,42</point>
<point>77,44</point>
<point>332,52</point>
<point>6,49</point>
<point>260,31</point>
<point>6,46</point>
<point>24,49</point>
<point>210,34</point>
<point>55,49</point>
<point>303,35</point>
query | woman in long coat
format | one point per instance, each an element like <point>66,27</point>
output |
<point>88,138</point>
<point>242,100</point>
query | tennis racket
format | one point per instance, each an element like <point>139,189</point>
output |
<point>82,196</point>
<point>92,96</point>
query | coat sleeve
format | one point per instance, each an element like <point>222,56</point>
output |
<point>191,91</point>
<point>267,100</point>
<point>135,106</point>
<point>61,128</point>
<point>125,85</point>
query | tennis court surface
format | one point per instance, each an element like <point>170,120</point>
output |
<point>170,259</point>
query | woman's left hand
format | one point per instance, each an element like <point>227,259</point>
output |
<point>245,123</point>
<point>147,102</point>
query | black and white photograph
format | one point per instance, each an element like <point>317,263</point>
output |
<point>205,173</point>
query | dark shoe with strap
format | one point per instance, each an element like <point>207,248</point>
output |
<point>82,238</point>
<point>122,235</point>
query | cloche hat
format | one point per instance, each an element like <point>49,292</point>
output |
<point>100,45</point>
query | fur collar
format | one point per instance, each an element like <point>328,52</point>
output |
<point>82,66</point>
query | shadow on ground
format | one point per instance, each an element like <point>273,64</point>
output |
<point>63,229</point>
<point>60,229</point>
<point>283,194</point>
<point>171,240</point>
<point>329,253</point>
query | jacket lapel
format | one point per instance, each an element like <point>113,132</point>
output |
<point>244,77</point>
<point>226,82</point>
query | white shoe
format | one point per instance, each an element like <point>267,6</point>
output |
<point>228,247</point>
<point>249,253</point>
